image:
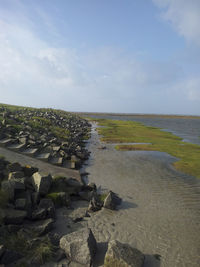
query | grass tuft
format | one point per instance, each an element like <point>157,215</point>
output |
<point>115,131</point>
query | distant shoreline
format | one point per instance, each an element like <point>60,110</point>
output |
<point>139,115</point>
<point>150,115</point>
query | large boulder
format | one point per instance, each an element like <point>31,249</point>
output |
<point>8,187</point>
<point>39,214</point>
<point>48,205</point>
<point>13,216</point>
<point>79,246</point>
<point>122,255</point>
<point>112,201</point>
<point>10,256</point>
<point>13,187</point>
<point>41,183</point>
<point>15,175</point>
<point>29,171</point>
<point>42,227</point>
<point>20,204</point>
<point>14,167</point>
<point>68,185</point>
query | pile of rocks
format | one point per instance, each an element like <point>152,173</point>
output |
<point>52,136</point>
<point>28,204</point>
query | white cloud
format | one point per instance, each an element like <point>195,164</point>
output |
<point>192,88</point>
<point>184,15</point>
<point>35,73</point>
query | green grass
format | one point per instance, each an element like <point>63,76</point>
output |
<point>57,199</point>
<point>60,133</point>
<point>188,154</point>
<point>102,197</point>
<point>42,249</point>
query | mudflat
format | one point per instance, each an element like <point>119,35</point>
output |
<point>160,211</point>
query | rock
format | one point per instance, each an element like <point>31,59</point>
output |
<point>20,203</point>
<point>29,183</point>
<point>39,214</point>
<point>60,254</point>
<point>79,246</point>
<point>14,167</point>
<point>42,227</point>
<point>23,140</point>
<point>73,183</point>
<point>9,188</point>
<point>91,187</point>
<point>24,202</point>
<point>48,205</point>
<point>2,249</point>
<point>111,201</point>
<point>2,176</point>
<point>13,187</point>
<point>29,171</point>
<point>122,255</point>
<point>13,228</point>
<point>13,216</point>
<point>35,197</point>
<point>95,203</point>
<point>10,256</point>
<point>15,175</point>
<point>86,195</point>
<point>41,183</point>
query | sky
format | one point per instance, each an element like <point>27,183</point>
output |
<point>123,56</point>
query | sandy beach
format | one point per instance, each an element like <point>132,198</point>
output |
<point>160,211</point>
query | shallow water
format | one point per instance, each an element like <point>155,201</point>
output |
<point>188,129</point>
<point>160,212</point>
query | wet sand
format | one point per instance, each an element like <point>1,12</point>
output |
<point>160,213</point>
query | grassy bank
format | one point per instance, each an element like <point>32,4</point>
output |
<point>115,131</point>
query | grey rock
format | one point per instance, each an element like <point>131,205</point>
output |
<point>29,171</point>
<point>24,202</point>
<point>29,183</point>
<point>13,228</point>
<point>73,183</point>
<point>15,175</point>
<point>10,256</point>
<point>42,227</point>
<point>14,167</point>
<point>79,246</point>
<point>86,195</point>
<point>23,140</point>
<point>13,216</point>
<point>41,183</point>
<point>95,203</point>
<point>39,214</point>
<point>9,188</point>
<point>123,255</point>
<point>48,205</point>
<point>91,187</point>
<point>20,203</point>
<point>35,197</point>
<point>112,201</point>
<point>2,249</point>
<point>13,187</point>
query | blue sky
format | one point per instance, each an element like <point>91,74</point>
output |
<point>131,56</point>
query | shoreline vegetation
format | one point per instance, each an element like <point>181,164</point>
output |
<point>139,115</point>
<point>147,138</point>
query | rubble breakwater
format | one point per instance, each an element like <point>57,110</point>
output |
<point>45,206</point>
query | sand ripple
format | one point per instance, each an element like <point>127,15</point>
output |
<point>160,213</point>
